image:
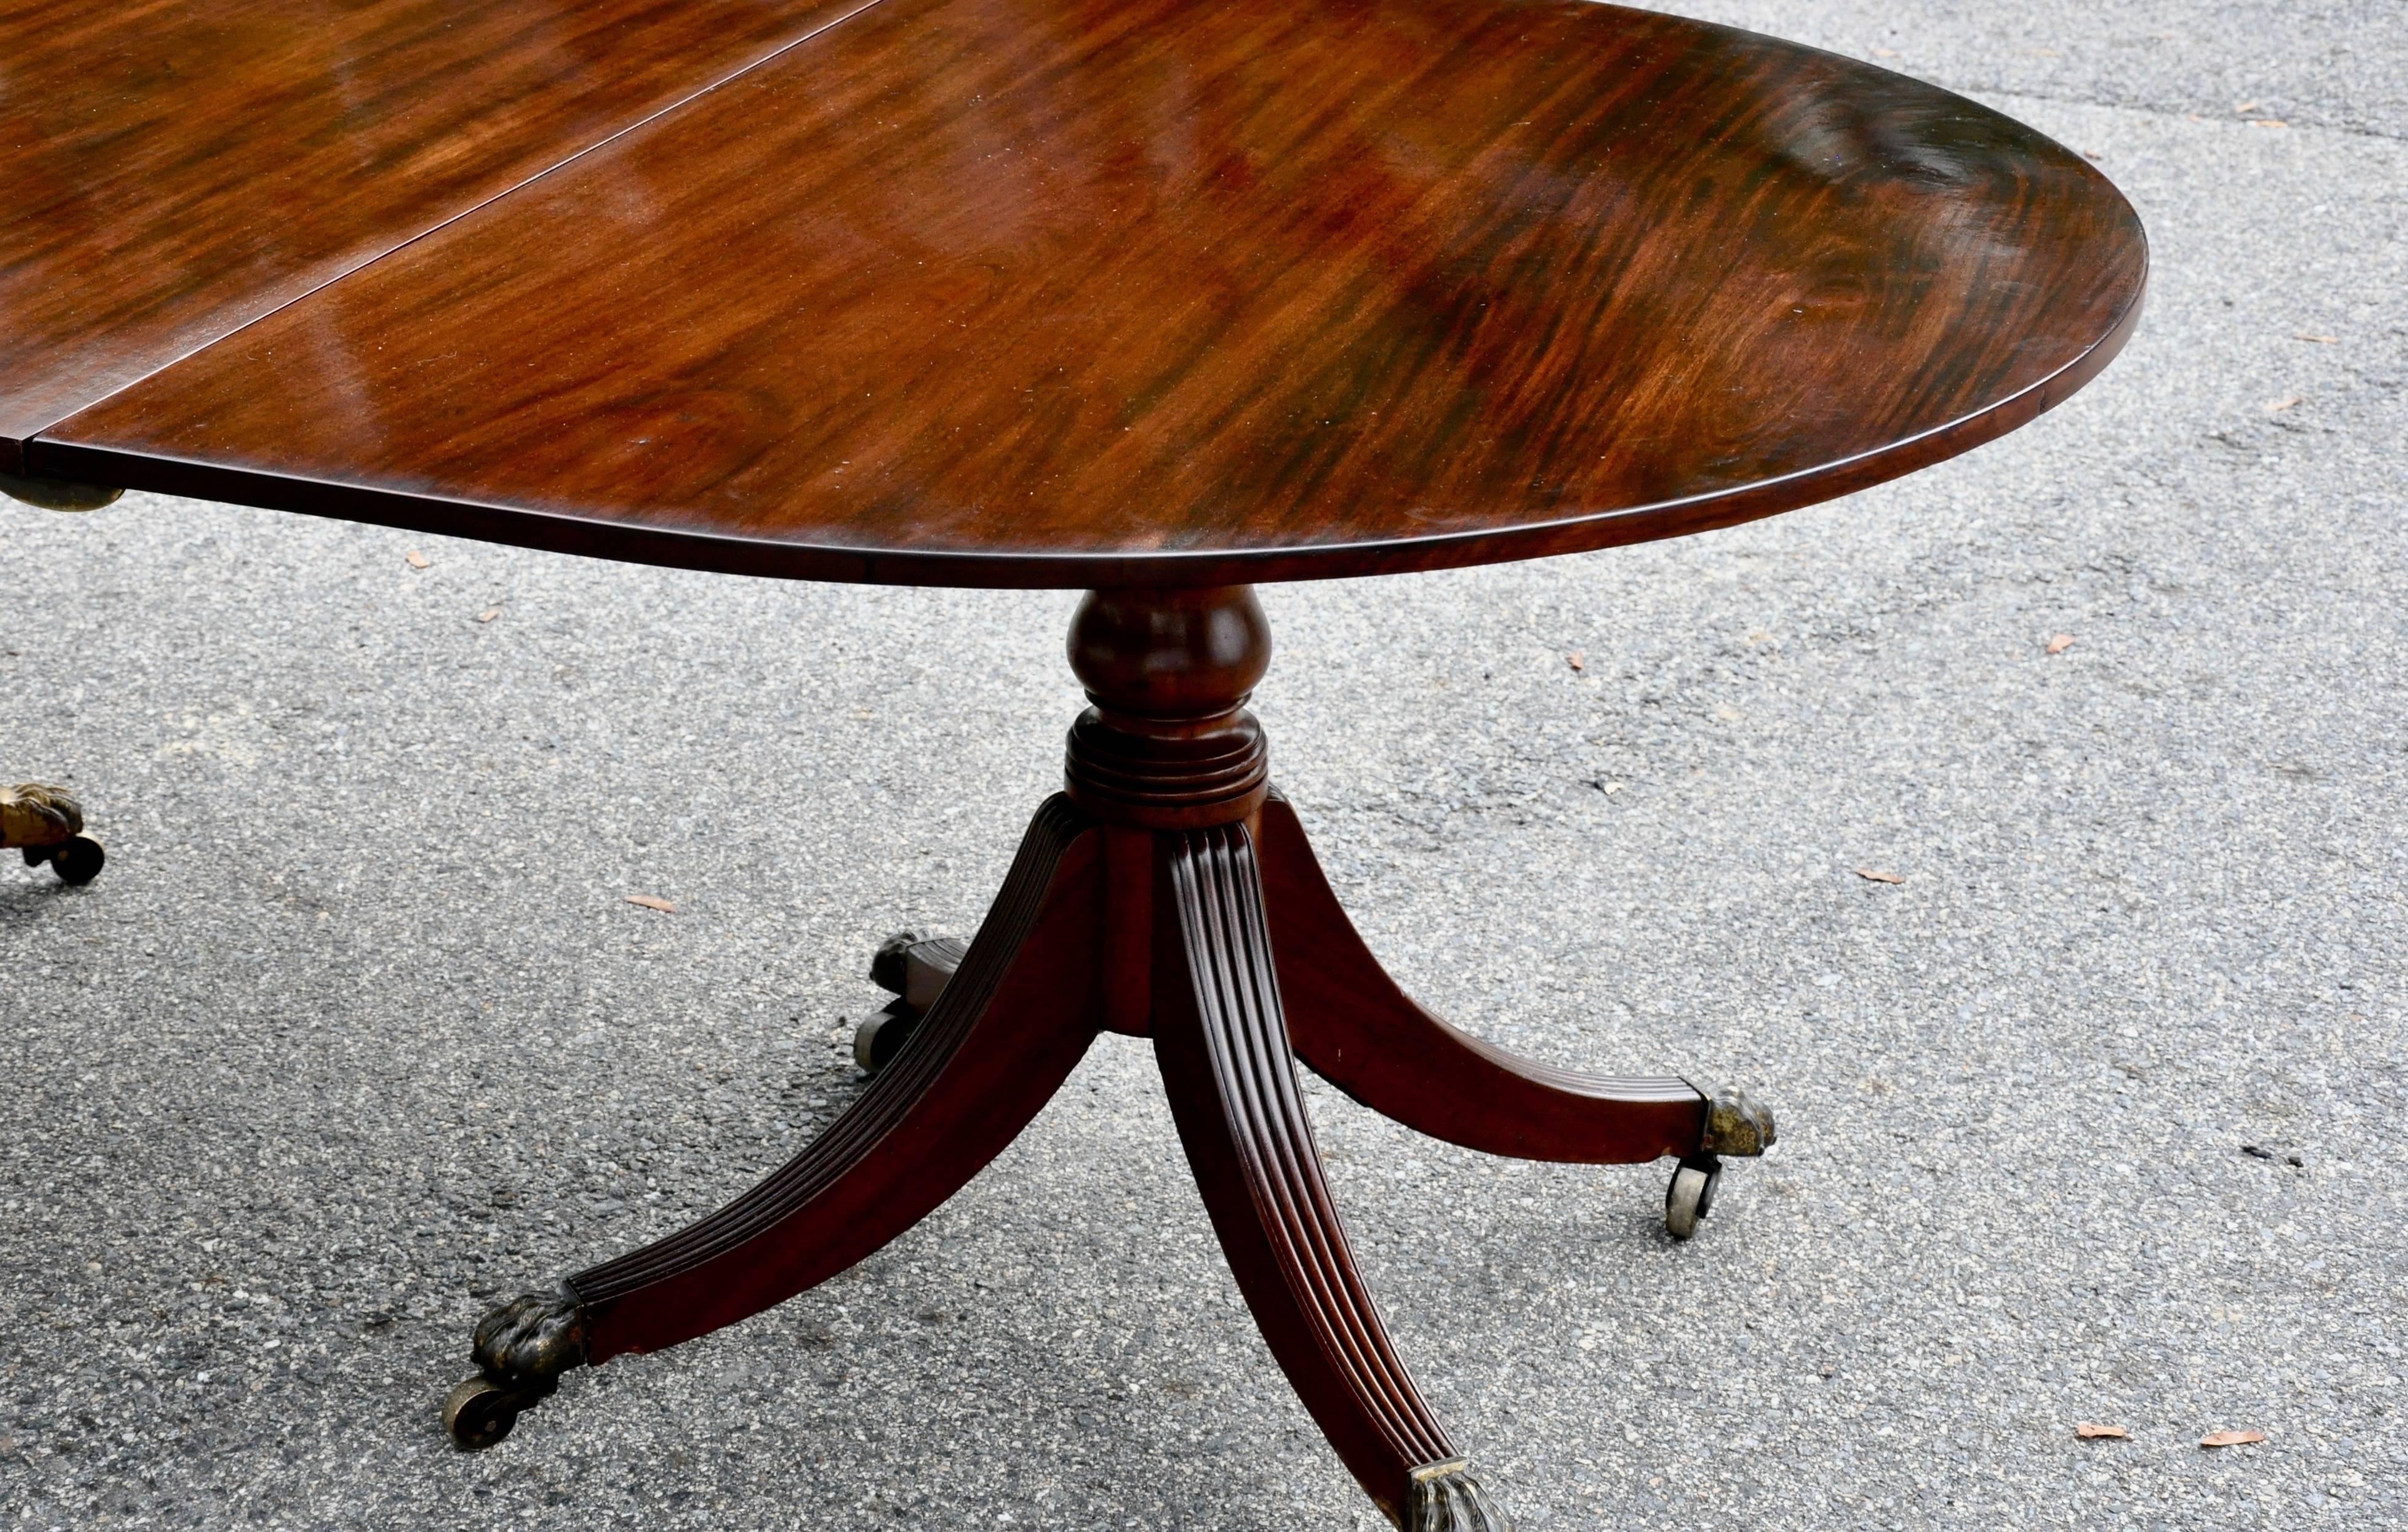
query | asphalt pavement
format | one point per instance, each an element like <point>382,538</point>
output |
<point>358,1033</point>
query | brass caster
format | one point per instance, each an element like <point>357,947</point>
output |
<point>882,1036</point>
<point>1737,1124</point>
<point>916,972</point>
<point>521,1349</point>
<point>1691,1195</point>
<point>45,825</point>
<point>1445,1497</point>
<point>481,1412</point>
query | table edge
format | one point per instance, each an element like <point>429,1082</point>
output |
<point>563,532</point>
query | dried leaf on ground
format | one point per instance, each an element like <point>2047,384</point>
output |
<point>489,614</point>
<point>651,902</point>
<point>1577,659</point>
<point>417,559</point>
<point>2245,107</point>
<point>2231,1439</point>
<point>2092,1431</point>
<point>2275,406</point>
<point>2268,122</point>
<point>2321,341</point>
<point>1874,875</point>
<point>2060,643</point>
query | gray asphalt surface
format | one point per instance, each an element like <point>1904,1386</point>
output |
<point>357,1032</point>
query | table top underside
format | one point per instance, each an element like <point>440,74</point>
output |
<point>1029,292</point>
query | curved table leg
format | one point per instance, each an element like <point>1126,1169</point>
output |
<point>1231,1079</point>
<point>1003,1036</point>
<point>1348,1020</point>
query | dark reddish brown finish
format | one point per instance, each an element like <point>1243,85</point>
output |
<point>1116,292</point>
<point>1188,934</point>
<point>1128,930</point>
<point>1143,295</point>
<point>1357,1030</point>
<point>1004,1035</point>
<point>175,169</point>
<point>1231,1080</point>
<point>1168,743</point>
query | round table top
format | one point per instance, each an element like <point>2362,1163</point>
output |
<point>1066,293</point>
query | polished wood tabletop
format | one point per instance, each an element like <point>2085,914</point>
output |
<point>1162,297</point>
<point>177,168</point>
<point>1037,293</point>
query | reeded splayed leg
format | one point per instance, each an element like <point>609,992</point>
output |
<point>999,1041</point>
<point>1351,1023</point>
<point>1231,1079</point>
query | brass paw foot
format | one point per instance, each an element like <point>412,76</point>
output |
<point>1447,1498</point>
<point>1736,1125</point>
<point>45,825</point>
<point>521,1349</point>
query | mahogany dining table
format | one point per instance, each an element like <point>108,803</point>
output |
<point>1157,299</point>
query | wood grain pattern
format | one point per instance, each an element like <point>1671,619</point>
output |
<point>1168,743</point>
<point>1355,1028</point>
<point>177,167</point>
<point>1112,292</point>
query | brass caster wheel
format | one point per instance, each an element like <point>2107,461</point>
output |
<point>878,1040</point>
<point>521,1349</point>
<point>77,860</point>
<point>1691,1196</point>
<point>480,1413</point>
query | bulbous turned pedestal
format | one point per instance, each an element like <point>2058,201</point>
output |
<point>1168,744</point>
